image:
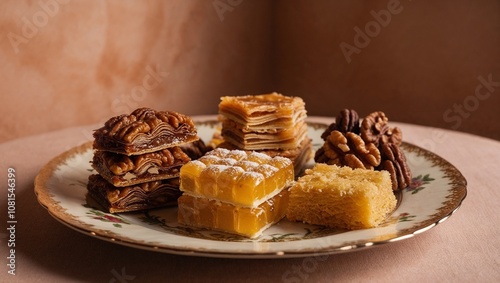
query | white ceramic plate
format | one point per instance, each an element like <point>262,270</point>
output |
<point>436,192</point>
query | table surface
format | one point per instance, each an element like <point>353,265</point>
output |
<point>464,248</point>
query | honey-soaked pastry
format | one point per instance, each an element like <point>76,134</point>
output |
<point>243,138</point>
<point>263,111</point>
<point>142,196</point>
<point>144,130</point>
<point>246,221</point>
<point>341,197</point>
<point>123,170</point>
<point>266,121</point>
<point>299,156</point>
<point>235,176</point>
<point>272,123</point>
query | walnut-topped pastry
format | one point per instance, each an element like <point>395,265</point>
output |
<point>138,157</point>
<point>144,130</point>
<point>123,170</point>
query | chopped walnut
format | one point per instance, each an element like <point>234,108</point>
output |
<point>115,124</point>
<point>120,164</point>
<point>394,161</point>
<point>348,149</point>
<point>375,129</point>
<point>129,132</point>
<point>143,113</point>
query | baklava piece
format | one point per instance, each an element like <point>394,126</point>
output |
<point>145,130</point>
<point>271,123</point>
<point>138,157</point>
<point>137,197</point>
<point>234,191</point>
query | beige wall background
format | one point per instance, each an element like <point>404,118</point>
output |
<point>69,63</point>
<point>426,65</point>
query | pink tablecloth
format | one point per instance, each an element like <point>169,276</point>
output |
<point>465,248</point>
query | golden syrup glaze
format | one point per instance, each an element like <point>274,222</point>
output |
<point>236,177</point>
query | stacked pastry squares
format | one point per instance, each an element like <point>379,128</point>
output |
<point>234,191</point>
<point>138,157</point>
<point>272,123</point>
